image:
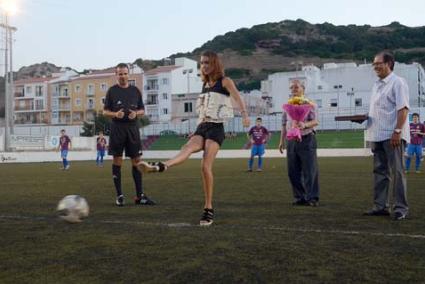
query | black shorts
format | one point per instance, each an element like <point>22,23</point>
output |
<point>212,131</point>
<point>125,136</point>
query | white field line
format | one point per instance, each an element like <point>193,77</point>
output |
<point>33,157</point>
<point>271,228</point>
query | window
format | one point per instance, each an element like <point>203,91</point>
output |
<point>77,102</point>
<point>28,90</point>
<point>319,87</point>
<point>151,85</point>
<point>65,92</point>
<point>90,89</point>
<point>132,82</point>
<point>39,91</point>
<point>165,96</point>
<point>164,111</point>
<point>90,103</point>
<point>165,81</point>
<point>319,103</point>
<point>152,100</point>
<point>76,116</point>
<point>187,107</point>
<point>104,87</point>
<point>39,104</point>
<point>358,102</point>
<point>77,88</point>
<point>103,100</point>
<point>334,103</point>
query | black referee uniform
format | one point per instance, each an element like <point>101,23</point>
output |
<point>124,132</point>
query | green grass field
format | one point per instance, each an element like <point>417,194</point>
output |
<point>257,237</point>
<point>325,139</point>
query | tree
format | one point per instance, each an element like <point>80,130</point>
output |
<point>99,123</point>
<point>102,123</point>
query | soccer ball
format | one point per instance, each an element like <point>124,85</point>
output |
<point>73,208</point>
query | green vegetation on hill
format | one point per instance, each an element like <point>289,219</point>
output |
<point>300,38</point>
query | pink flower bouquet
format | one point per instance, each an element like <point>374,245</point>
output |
<point>297,112</point>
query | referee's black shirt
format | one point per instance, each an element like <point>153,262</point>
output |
<point>129,98</point>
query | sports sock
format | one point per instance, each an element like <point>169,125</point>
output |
<point>137,177</point>
<point>116,175</point>
<point>250,163</point>
<point>260,162</point>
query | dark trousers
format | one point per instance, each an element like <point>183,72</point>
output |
<point>302,168</point>
<point>388,171</point>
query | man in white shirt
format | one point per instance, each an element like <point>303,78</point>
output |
<point>388,132</point>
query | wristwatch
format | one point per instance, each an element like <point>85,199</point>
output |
<point>397,130</point>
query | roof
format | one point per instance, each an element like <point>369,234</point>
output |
<point>93,76</point>
<point>162,69</point>
<point>33,80</point>
<point>107,70</point>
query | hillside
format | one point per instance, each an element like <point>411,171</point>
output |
<point>251,53</point>
<point>37,70</point>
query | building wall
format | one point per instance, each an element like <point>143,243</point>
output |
<point>337,87</point>
<point>172,87</point>
<point>88,95</point>
<point>31,103</point>
<point>184,106</point>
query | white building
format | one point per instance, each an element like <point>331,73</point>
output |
<point>341,89</point>
<point>255,104</point>
<point>170,92</point>
<point>31,104</point>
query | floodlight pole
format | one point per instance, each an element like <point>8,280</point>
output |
<point>187,72</point>
<point>8,81</point>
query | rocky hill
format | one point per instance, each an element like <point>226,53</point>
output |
<point>37,70</point>
<point>251,53</point>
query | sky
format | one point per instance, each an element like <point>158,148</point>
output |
<point>85,34</point>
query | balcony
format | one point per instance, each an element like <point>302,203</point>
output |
<point>19,95</point>
<point>152,100</point>
<point>90,94</point>
<point>39,107</point>
<point>64,121</point>
<point>151,89</point>
<point>62,95</point>
<point>28,108</point>
<point>64,108</point>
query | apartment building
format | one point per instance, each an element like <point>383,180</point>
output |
<point>170,92</point>
<point>31,101</point>
<point>78,98</point>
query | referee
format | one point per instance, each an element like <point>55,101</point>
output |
<point>124,104</point>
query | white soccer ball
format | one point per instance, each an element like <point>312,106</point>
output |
<point>73,208</point>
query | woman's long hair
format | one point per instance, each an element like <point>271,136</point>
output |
<point>215,64</point>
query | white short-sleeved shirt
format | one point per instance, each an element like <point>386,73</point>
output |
<point>389,95</point>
